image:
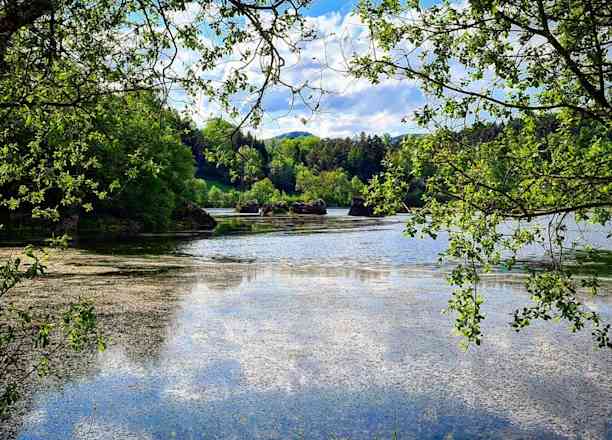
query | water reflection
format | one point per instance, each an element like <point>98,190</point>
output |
<point>275,351</point>
<point>335,239</point>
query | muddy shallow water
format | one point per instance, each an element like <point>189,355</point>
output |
<point>332,332</point>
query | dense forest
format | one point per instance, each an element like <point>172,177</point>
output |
<point>304,167</point>
<point>148,161</point>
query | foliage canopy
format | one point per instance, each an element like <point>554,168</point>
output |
<point>542,69</point>
<point>76,131</point>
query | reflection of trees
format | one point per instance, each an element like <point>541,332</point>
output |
<point>227,274</point>
<point>358,273</point>
<point>292,223</point>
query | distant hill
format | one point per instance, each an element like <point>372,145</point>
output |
<point>293,135</point>
<point>396,140</point>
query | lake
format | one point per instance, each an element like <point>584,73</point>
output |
<point>314,328</point>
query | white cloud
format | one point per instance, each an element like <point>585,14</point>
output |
<point>348,105</point>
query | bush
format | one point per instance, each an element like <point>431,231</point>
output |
<point>357,186</point>
<point>332,186</point>
<point>217,198</point>
<point>263,191</point>
<point>198,191</point>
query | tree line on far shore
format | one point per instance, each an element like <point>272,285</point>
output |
<point>238,167</point>
<point>148,161</point>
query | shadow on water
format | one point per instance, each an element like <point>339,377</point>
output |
<point>284,231</point>
<point>230,224</point>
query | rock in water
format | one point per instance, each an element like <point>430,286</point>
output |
<point>248,207</point>
<point>317,207</point>
<point>195,216</point>
<point>359,208</point>
<point>275,208</point>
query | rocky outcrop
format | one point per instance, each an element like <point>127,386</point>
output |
<point>359,208</point>
<point>248,207</point>
<point>317,207</point>
<point>194,217</point>
<point>274,208</point>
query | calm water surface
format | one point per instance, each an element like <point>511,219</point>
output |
<point>329,329</point>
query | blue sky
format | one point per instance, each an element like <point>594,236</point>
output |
<point>321,7</point>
